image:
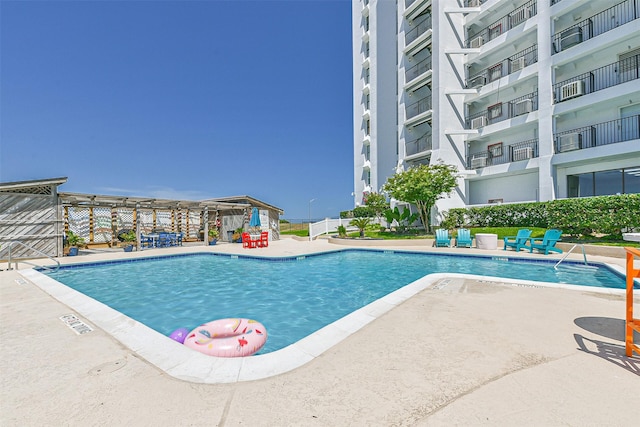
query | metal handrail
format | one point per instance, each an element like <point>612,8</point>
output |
<point>30,263</point>
<point>584,254</point>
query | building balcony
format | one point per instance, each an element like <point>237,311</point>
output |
<point>599,134</point>
<point>595,25</point>
<point>518,16</point>
<point>503,111</point>
<point>422,26</point>
<point>503,68</point>
<point>417,146</point>
<point>417,70</point>
<point>414,8</point>
<point>496,154</point>
<point>418,112</point>
<point>601,78</point>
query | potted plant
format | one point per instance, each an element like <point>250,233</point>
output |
<point>129,239</point>
<point>237,235</point>
<point>73,241</point>
<point>213,236</point>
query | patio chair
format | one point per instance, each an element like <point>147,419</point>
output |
<point>146,241</point>
<point>463,238</point>
<point>247,242</point>
<point>263,242</point>
<point>164,240</point>
<point>442,238</point>
<point>519,241</point>
<point>547,243</point>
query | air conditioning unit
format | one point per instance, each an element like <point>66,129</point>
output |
<point>571,90</point>
<point>522,107</point>
<point>477,42</point>
<point>518,64</point>
<point>474,3</point>
<point>520,15</point>
<point>477,81</point>
<point>569,142</point>
<point>522,153</point>
<point>478,122</point>
<point>478,162</point>
<point>570,37</point>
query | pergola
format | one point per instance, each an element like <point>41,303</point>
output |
<point>92,203</point>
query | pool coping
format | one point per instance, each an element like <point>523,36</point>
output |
<point>185,364</point>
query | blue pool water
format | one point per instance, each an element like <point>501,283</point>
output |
<point>292,297</point>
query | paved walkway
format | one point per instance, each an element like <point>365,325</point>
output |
<point>461,352</point>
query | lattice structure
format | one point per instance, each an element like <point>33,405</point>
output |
<point>193,230</point>
<point>78,221</point>
<point>124,219</point>
<point>102,231</point>
<point>146,220</point>
<point>163,220</point>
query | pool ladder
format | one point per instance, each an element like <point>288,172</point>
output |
<point>584,254</point>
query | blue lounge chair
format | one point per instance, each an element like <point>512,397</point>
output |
<point>442,238</point>
<point>519,241</point>
<point>547,243</point>
<point>463,238</point>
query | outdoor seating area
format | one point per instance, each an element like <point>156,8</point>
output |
<point>160,240</point>
<point>518,241</point>
<point>547,243</point>
<point>255,240</point>
<point>443,239</point>
<point>463,238</point>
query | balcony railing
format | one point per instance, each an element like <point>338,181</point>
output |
<point>595,25</point>
<point>601,78</point>
<point>419,145</point>
<point>504,110</point>
<point>421,27</point>
<point>418,69</point>
<point>502,25</point>
<point>599,134</point>
<point>505,67</point>
<point>497,154</point>
<point>419,107</point>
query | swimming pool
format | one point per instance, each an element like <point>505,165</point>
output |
<point>294,296</point>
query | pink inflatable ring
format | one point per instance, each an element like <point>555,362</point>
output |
<point>228,337</point>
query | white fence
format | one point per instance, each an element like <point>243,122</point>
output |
<point>330,225</point>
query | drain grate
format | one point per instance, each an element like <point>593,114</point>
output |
<point>77,325</point>
<point>21,281</point>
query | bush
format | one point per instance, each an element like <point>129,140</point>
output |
<point>601,214</point>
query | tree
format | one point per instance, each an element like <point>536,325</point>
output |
<point>378,203</point>
<point>422,186</point>
<point>361,223</point>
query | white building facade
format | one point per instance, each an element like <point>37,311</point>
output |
<point>531,100</point>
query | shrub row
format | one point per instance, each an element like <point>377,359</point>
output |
<point>575,216</point>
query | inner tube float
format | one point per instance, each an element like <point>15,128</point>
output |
<point>228,338</point>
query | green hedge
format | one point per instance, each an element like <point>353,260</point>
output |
<point>587,215</point>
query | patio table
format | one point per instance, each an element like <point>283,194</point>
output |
<point>486,241</point>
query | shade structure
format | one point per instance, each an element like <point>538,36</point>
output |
<point>255,218</point>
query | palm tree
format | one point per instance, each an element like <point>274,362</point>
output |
<point>361,223</point>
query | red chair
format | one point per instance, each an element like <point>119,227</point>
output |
<point>263,242</point>
<point>247,242</point>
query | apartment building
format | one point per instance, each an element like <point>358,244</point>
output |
<point>532,100</point>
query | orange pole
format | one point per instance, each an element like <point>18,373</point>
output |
<point>631,323</point>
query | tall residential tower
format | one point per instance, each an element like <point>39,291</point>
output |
<point>531,100</point>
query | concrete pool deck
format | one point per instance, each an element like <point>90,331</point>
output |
<point>461,352</point>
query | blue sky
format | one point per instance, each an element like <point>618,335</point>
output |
<point>181,99</point>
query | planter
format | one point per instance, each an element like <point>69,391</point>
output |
<point>213,242</point>
<point>73,251</point>
<point>128,247</point>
